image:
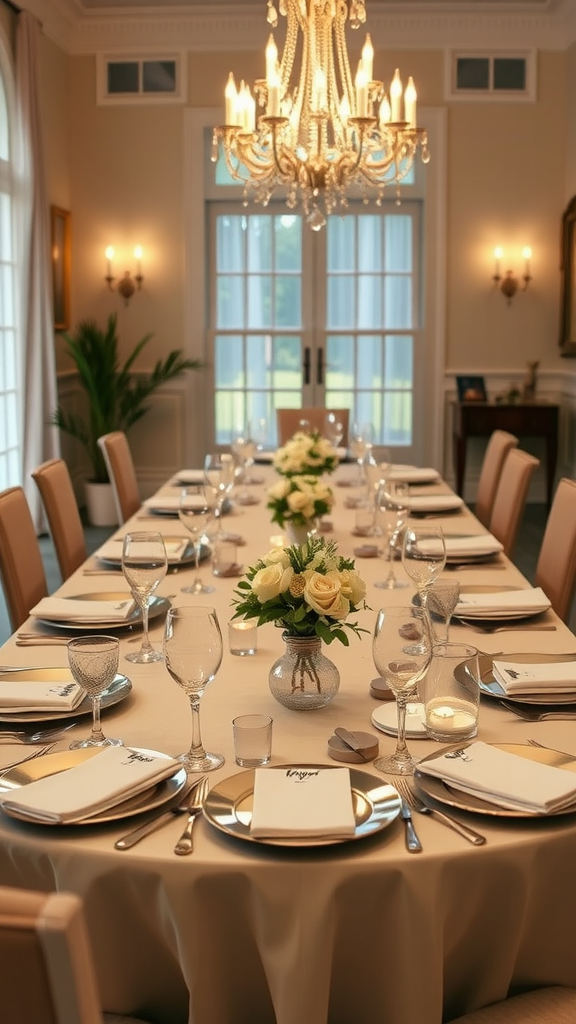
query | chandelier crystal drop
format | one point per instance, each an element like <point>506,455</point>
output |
<point>316,132</point>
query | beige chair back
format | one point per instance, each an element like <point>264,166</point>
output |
<point>556,565</point>
<point>288,421</point>
<point>21,565</point>
<point>55,485</point>
<point>510,499</point>
<point>120,467</point>
<point>550,1005</point>
<point>499,445</point>
<point>47,968</point>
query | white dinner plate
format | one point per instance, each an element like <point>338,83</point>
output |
<point>228,807</point>
<point>188,558</point>
<point>490,686</point>
<point>119,689</point>
<point>444,793</point>
<point>158,606</point>
<point>385,718</point>
<point>41,767</point>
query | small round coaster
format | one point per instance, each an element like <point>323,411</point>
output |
<point>338,750</point>
<point>385,718</point>
<point>366,551</point>
<point>380,690</point>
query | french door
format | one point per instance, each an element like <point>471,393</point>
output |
<point>327,319</point>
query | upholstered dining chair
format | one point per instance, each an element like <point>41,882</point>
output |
<point>551,1005</point>
<point>55,485</point>
<point>118,461</point>
<point>21,565</point>
<point>510,499</point>
<point>288,421</point>
<point>499,444</point>
<point>556,565</point>
<point>47,968</point>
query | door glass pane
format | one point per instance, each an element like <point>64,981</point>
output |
<point>398,244</point>
<point>288,237</point>
<point>397,302</point>
<point>230,301</point>
<point>259,243</point>
<point>231,236</point>
<point>369,301</point>
<point>288,296</point>
<point>259,301</point>
<point>341,301</point>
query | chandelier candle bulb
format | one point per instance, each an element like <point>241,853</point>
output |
<point>361,92</point>
<point>396,98</point>
<point>271,59</point>
<point>231,99</point>
<point>368,58</point>
<point>410,103</point>
<point>385,112</point>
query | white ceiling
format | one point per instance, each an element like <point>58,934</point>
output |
<point>88,26</point>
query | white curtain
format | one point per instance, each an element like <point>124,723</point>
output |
<point>40,439</point>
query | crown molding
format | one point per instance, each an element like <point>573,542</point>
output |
<point>222,26</point>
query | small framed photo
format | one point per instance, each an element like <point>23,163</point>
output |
<point>61,266</point>
<point>471,389</point>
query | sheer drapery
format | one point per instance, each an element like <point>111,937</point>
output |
<point>40,439</point>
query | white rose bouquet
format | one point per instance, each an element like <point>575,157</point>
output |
<point>299,499</point>
<point>307,591</point>
<point>306,454</point>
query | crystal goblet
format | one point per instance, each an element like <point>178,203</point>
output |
<point>93,662</point>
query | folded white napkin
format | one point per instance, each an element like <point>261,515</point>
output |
<point>474,544</point>
<point>504,779</point>
<point>164,502</point>
<point>190,476</point>
<point>302,802</point>
<point>413,474</point>
<point>29,695</point>
<point>434,502</point>
<point>111,551</point>
<point>532,600</point>
<point>67,609</point>
<point>554,677</point>
<point>112,775</point>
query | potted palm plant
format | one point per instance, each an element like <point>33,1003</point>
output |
<point>116,397</point>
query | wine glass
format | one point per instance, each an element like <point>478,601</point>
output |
<point>243,450</point>
<point>392,502</point>
<point>93,662</point>
<point>193,654</point>
<point>144,565</point>
<point>401,649</point>
<point>360,442</point>
<point>333,429</point>
<point>423,558</point>
<point>219,475</point>
<point>443,597</point>
<point>195,512</point>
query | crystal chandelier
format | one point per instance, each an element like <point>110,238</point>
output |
<point>319,134</point>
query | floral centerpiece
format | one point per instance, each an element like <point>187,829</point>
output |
<point>309,592</point>
<point>299,500</point>
<point>307,454</point>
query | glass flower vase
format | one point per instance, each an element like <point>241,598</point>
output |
<point>303,679</point>
<point>298,533</point>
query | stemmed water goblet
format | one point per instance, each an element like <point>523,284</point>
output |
<point>93,662</point>
<point>401,649</point>
<point>360,442</point>
<point>193,654</point>
<point>333,429</point>
<point>423,559</point>
<point>195,512</point>
<point>243,450</point>
<point>219,475</point>
<point>144,564</point>
<point>442,600</point>
<point>392,502</point>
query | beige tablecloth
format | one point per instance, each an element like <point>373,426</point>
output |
<point>243,933</point>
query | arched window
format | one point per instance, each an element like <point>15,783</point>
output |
<point>10,363</point>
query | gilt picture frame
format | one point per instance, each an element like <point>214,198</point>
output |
<point>61,255</point>
<point>567,340</point>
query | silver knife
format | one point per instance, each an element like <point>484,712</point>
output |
<point>133,837</point>
<point>413,844</point>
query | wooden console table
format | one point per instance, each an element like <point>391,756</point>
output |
<point>524,419</point>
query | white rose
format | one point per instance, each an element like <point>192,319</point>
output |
<point>279,490</point>
<point>300,503</point>
<point>268,583</point>
<point>353,587</point>
<point>324,595</point>
<point>277,556</point>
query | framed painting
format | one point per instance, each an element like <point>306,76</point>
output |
<point>471,389</point>
<point>568,281</point>
<point>61,251</point>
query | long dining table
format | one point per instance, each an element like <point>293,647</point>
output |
<point>355,932</point>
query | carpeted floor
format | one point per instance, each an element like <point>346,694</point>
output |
<point>525,558</point>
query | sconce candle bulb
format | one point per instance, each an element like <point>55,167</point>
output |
<point>127,285</point>
<point>509,283</point>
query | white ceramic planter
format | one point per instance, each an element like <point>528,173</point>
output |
<point>100,505</point>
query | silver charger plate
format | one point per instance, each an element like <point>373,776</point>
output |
<point>158,606</point>
<point>41,767</point>
<point>228,807</point>
<point>452,797</point>
<point>188,558</point>
<point>500,615</point>
<point>490,687</point>
<point>119,688</point>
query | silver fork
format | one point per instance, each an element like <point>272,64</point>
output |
<point>185,843</point>
<point>502,629</point>
<point>418,805</point>
<point>36,737</point>
<point>532,715</point>
<point>29,757</point>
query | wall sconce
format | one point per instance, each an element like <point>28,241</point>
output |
<point>127,285</point>
<point>509,284</point>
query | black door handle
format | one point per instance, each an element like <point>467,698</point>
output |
<point>306,365</point>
